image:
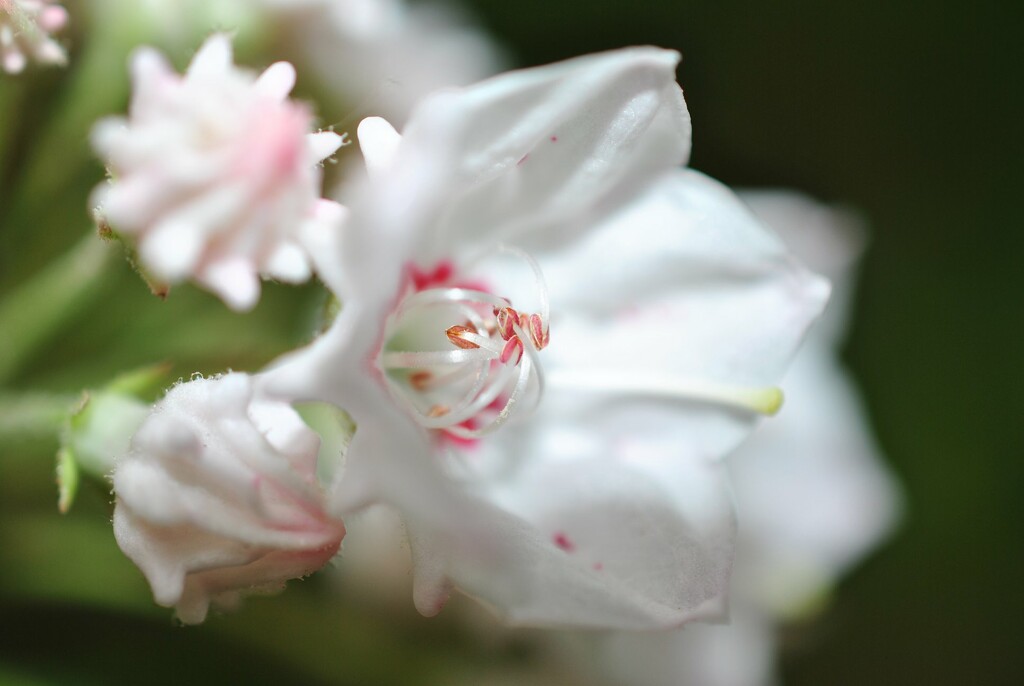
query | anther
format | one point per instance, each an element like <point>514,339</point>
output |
<point>420,379</point>
<point>493,370</point>
<point>539,333</point>
<point>456,336</point>
<point>514,346</point>
<point>507,319</point>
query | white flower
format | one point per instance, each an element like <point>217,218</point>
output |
<point>218,496</point>
<point>215,173</point>
<point>671,315</point>
<point>383,56</point>
<point>812,493</point>
<point>813,486</point>
<point>25,28</point>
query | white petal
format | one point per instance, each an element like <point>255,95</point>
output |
<point>276,81</point>
<point>150,73</point>
<point>404,51</point>
<point>212,59</point>
<point>172,249</point>
<point>288,263</point>
<point>683,286</point>
<point>814,493</point>
<point>598,541</point>
<point>379,143</point>
<point>322,145</point>
<point>740,653</point>
<point>524,150</point>
<point>234,280</point>
<point>827,239</point>
<point>321,238</point>
<point>175,244</point>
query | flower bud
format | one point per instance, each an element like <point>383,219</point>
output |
<point>25,28</point>
<point>218,496</point>
<point>215,173</point>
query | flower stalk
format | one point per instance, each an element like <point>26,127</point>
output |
<point>37,309</point>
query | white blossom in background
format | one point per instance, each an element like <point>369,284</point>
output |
<point>550,336</point>
<point>180,23</point>
<point>822,457</point>
<point>26,27</point>
<point>812,492</point>
<point>218,497</point>
<point>215,174</point>
<point>382,56</point>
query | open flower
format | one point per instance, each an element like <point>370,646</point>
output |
<point>25,28</point>
<point>218,496</point>
<point>549,336</point>
<point>215,174</point>
<point>812,493</point>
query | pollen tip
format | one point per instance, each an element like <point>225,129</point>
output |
<point>455,335</point>
<point>437,411</point>
<point>420,379</point>
<point>769,400</point>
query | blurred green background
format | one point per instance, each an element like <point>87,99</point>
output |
<point>910,111</point>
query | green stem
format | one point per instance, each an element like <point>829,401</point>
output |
<point>34,415</point>
<point>31,313</point>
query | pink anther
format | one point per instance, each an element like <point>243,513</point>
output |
<point>539,333</point>
<point>514,347</point>
<point>507,320</point>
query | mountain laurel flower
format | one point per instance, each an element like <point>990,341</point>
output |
<point>218,497</point>
<point>215,173</point>
<point>813,493</point>
<point>25,30</point>
<point>551,334</point>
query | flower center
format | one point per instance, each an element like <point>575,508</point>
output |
<point>460,359</point>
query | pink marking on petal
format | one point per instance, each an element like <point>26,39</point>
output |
<point>554,139</point>
<point>425,279</point>
<point>598,566</point>
<point>441,276</point>
<point>563,542</point>
<point>457,440</point>
<point>522,159</point>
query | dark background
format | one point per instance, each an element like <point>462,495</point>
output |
<point>910,111</point>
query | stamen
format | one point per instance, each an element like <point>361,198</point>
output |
<point>766,400</point>
<point>457,335</point>
<point>495,355</point>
